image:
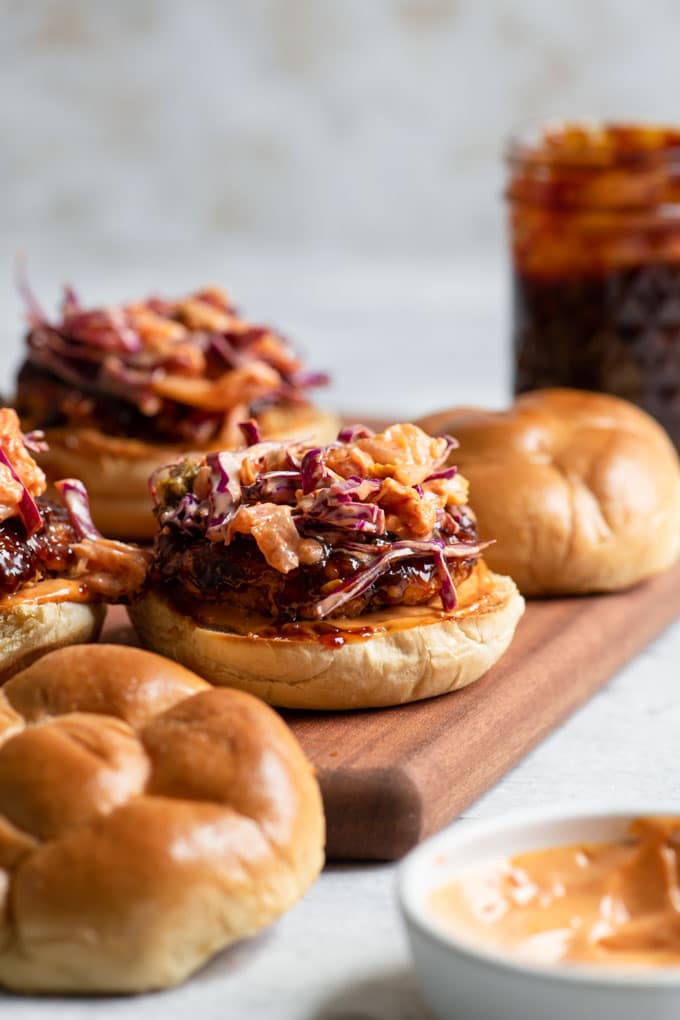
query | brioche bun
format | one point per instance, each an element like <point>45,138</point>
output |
<point>116,470</point>
<point>147,820</point>
<point>580,490</point>
<point>29,629</point>
<point>414,652</point>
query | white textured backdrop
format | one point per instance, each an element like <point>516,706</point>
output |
<point>336,162</point>
<point>368,125</point>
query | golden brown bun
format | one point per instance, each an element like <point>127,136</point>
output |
<point>420,652</point>
<point>580,490</point>
<point>116,470</point>
<point>147,820</point>
<point>29,630</point>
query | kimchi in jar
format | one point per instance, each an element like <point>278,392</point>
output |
<point>595,234</point>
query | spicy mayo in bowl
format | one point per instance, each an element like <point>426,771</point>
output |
<point>549,916</point>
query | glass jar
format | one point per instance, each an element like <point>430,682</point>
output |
<point>595,235</point>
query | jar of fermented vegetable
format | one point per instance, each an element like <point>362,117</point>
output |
<point>595,236</point>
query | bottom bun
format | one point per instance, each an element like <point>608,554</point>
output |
<point>379,659</point>
<point>31,629</point>
<point>115,470</point>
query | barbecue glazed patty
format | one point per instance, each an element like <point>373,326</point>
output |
<point>46,402</point>
<point>48,553</point>
<point>238,574</point>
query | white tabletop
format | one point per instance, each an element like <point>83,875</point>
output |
<point>428,337</point>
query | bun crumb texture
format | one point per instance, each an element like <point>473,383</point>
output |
<point>147,821</point>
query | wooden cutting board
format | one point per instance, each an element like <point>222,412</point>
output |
<point>390,777</point>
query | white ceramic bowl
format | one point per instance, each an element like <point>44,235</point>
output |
<point>462,980</point>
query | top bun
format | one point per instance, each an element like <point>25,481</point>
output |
<point>146,821</point>
<point>580,490</point>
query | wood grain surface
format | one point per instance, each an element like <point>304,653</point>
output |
<point>391,777</point>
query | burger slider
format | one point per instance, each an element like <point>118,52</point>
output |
<point>120,391</point>
<point>344,576</point>
<point>57,573</point>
